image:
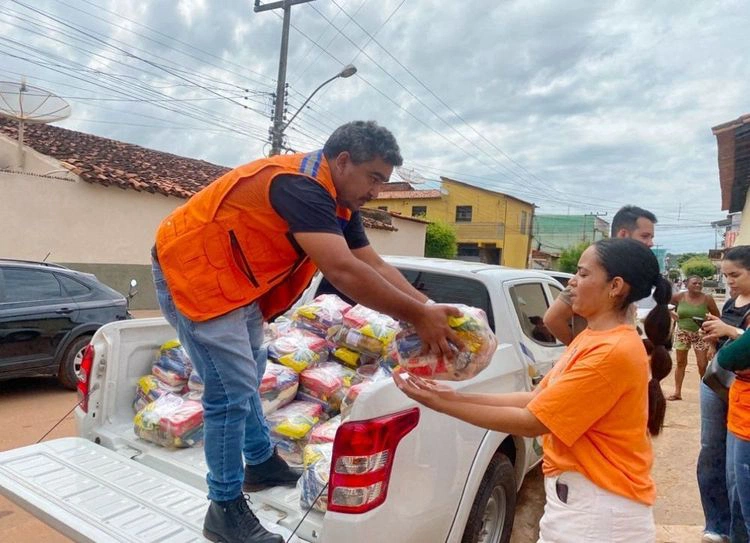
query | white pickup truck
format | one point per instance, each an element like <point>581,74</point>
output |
<point>448,480</point>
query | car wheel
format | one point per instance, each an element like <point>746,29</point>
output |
<point>491,516</point>
<point>70,364</point>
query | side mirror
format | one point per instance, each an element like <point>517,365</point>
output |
<point>132,291</point>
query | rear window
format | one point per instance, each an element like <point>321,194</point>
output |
<point>23,285</point>
<point>440,287</point>
<point>73,287</point>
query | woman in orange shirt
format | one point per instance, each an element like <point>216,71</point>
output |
<point>596,407</point>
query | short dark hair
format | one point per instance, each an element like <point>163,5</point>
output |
<point>739,254</point>
<point>364,141</point>
<point>627,218</point>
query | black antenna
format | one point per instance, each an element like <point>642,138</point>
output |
<point>46,257</point>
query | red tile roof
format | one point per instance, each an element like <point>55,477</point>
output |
<point>110,162</point>
<point>395,186</point>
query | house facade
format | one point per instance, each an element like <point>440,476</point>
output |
<point>490,226</point>
<point>733,143</point>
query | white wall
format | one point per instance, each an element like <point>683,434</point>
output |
<point>74,220</point>
<point>407,241</point>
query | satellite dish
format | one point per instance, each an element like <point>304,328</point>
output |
<point>27,104</point>
<point>410,175</point>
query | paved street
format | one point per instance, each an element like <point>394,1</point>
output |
<point>33,406</point>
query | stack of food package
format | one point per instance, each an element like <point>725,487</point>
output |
<point>479,343</point>
<point>315,473</point>
<point>167,403</point>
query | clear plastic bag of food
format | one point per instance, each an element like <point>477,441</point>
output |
<point>291,426</point>
<point>278,387</point>
<point>479,345</point>
<point>319,315</point>
<point>298,350</point>
<point>316,470</point>
<point>149,389</point>
<point>325,432</point>
<point>351,396</point>
<point>173,366</point>
<point>365,331</point>
<point>171,421</point>
<point>326,383</point>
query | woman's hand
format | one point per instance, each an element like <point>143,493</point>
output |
<point>716,328</point>
<point>424,391</point>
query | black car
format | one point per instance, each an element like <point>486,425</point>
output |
<point>48,314</point>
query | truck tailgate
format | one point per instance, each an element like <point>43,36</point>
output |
<point>90,493</point>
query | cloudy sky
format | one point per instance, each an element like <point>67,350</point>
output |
<point>579,107</point>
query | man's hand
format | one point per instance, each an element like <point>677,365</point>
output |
<point>432,326</point>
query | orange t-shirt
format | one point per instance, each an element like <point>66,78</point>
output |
<point>595,404</point>
<point>738,418</point>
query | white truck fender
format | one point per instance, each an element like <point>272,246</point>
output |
<point>514,447</point>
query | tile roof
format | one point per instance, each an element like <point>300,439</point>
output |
<point>115,163</point>
<point>395,186</point>
<point>375,218</point>
<point>409,194</point>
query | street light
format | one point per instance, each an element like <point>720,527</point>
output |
<point>278,128</point>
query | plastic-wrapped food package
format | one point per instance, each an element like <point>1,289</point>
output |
<point>149,389</point>
<point>290,427</point>
<point>351,397</point>
<point>278,387</point>
<point>173,365</point>
<point>479,345</point>
<point>326,383</point>
<point>195,386</point>
<point>278,328</point>
<point>319,315</point>
<point>312,484</point>
<point>365,331</point>
<point>325,432</point>
<point>351,359</point>
<point>171,421</point>
<point>298,350</point>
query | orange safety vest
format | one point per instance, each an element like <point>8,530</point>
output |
<point>214,265</point>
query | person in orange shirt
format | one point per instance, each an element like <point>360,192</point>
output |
<point>596,407</point>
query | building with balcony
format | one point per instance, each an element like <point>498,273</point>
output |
<point>490,226</point>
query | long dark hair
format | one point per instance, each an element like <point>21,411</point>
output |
<point>638,267</point>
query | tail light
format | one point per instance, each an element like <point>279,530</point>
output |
<point>84,377</point>
<point>362,459</point>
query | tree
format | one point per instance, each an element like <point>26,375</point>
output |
<point>440,241</point>
<point>700,266</point>
<point>569,258</point>
<point>684,257</point>
<point>673,274</point>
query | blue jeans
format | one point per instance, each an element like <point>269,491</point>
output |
<point>738,477</point>
<point>228,354</point>
<point>721,517</point>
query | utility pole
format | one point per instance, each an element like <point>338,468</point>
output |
<point>279,102</point>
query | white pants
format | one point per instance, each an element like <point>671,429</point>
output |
<point>592,514</point>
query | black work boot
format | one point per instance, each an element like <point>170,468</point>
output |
<point>273,472</point>
<point>235,523</point>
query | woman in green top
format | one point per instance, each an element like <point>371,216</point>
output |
<point>692,305</point>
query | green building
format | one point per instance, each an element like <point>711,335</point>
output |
<point>554,233</point>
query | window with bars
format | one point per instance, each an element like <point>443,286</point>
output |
<point>418,211</point>
<point>463,213</point>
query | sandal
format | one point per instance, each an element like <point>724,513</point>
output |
<point>674,397</point>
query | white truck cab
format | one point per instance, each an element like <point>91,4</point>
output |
<point>444,480</point>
